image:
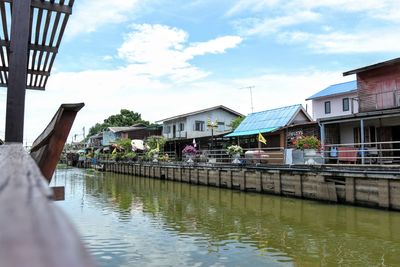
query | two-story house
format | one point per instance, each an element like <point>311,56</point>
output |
<point>376,127</point>
<point>180,130</point>
<point>335,100</point>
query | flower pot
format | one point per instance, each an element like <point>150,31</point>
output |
<point>189,158</point>
<point>155,158</point>
<point>310,152</point>
<point>236,158</point>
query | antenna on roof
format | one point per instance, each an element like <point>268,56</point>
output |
<point>250,88</point>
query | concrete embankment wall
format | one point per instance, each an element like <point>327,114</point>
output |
<point>363,188</point>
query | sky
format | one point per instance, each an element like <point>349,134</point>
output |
<point>163,58</point>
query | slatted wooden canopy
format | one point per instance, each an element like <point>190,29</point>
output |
<point>30,36</point>
<point>48,19</point>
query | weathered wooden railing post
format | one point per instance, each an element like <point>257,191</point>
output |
<point>33,230</point>
<point>17,76</point>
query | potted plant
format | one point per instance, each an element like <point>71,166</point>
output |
<point>309,144</point>
<point>190,152</point>
<point>153,154</point>
<point>234,151</point>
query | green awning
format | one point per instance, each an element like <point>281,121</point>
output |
<point>252,132</point>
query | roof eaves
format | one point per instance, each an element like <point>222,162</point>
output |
<point>331,95</point>
<point>200,111</point>
<point>373,66</point>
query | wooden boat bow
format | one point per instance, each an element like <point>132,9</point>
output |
<point>47,148</point>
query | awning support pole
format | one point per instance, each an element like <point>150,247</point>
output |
<point>322,128</point>
<point>362,141</point>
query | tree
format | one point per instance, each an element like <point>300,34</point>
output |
<point>236,122</point>
<point>124,118</point>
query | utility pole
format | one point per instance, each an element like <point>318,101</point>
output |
<point>250,88</point>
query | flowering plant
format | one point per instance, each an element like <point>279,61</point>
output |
<point>307,142</point>
<point>190,150</point>
<point>234,149</point>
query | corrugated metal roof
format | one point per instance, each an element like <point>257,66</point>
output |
<point>336,89</point>
<point>201,111</point>
<point>266,121</point>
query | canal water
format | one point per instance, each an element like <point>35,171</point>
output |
<point>133,221</point>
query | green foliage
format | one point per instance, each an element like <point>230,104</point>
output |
<point>153,152</point>
<point>125,144</point>
<point>129,156</point>
<point>307,142</point>
<point>117,156</point>
<point>124,118</point>
<point>234,149</point>
<point>152,141</point>
<point>236,122</point>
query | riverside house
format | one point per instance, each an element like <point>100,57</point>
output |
<point>374,133</point>
<point>182,130</point>
<point>279,127</point>
<point>335,100</point>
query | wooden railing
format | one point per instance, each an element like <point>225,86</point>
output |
<point>33,230</point>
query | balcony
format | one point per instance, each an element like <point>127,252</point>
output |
<point>385,100</point>
<point>176,135</point>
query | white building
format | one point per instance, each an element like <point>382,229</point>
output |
<point>335,100</point>
<point>194,124</point>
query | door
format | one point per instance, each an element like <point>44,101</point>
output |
<point>174,131</point>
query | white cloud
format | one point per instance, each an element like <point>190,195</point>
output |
<point>151,53</point>
<point>272,25</point>
<point>340,42</point>
<point>162,51</point>
<point>253,5</point>
<point>383,9</point>
<point>90,15</point>
<point>269,16</point>
<point>107,58</point>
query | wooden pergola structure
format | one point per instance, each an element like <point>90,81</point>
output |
<point>30,36</point>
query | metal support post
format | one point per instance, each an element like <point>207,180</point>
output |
<point>362,138</point>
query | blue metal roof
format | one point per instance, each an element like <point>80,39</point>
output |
<point>336,89</point>
<point>265,121</point>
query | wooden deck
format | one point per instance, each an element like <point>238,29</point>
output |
<point>34,231</point>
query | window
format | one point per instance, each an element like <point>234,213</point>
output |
<point>167,129</point>
<point>327,107</point>
<point>181,127</point>
<point>221,126</point>
<point>199,126</point>
<point>346,104</point>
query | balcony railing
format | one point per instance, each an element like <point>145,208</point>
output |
<point>177,135</point>
<point>379,101</point>
<point>363,153</point>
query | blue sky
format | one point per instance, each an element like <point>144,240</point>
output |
<point>163,58</point>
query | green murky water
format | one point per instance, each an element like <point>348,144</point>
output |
<point>132,221</point>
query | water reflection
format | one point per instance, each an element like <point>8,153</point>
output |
<point>129,221</point>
